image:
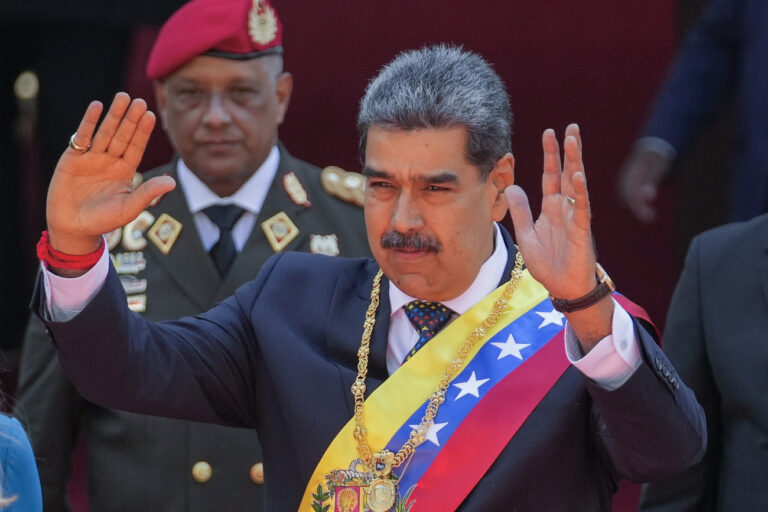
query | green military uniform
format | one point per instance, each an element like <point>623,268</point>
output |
<point>144,463</point>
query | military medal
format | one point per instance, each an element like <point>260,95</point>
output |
<point>262,23</point>
<point>133,232</point>
<point>113,238</point>
<point>128,262</point>
<point>279,230</point>
<point>164,233</point>
<point>137,303</point>
<point>132,284</point>
<point>295,190</point>
<point>324,244</point>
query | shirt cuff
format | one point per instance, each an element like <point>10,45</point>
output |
<point>614,359</point>
<point>65,297</point>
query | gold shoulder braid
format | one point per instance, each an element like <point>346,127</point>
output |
<point>382,462</point>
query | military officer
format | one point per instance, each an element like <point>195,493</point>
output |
<point>222,93</point>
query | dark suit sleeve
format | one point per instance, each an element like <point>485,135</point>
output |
<point>700,80</point>
<point>693,490</point>
<point>198,368</point>
<point>50,408</point>
<point>651,427</point>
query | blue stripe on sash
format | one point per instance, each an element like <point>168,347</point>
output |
<point>530,329</point>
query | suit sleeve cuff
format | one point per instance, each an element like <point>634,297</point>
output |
<point>66,297</point>
<point>614,359</point>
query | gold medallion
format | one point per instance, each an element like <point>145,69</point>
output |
<point>164,233</point>
<point>279,230</point>
<point>381,495</point>
<point>262,23</point>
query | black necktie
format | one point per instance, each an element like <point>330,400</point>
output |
<point>225,217</point>
<point>427,318</point>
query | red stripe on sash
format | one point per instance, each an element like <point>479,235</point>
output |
<point>443,487</point>
<point>636,311</point>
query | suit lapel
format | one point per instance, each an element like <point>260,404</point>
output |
<point>187,263</point>
<point>349,304</point>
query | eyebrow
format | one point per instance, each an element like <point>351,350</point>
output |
<point>443,177</point>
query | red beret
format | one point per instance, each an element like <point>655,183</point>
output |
<point>233,29</point>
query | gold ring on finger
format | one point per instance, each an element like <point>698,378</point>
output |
<point>77,147</point>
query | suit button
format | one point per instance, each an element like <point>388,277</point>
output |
<point>202,472</point>
<point>257,473</point>
<point>659,364</point>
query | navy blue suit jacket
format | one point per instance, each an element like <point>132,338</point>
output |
<point>280,356</point>
<point>726,50</point>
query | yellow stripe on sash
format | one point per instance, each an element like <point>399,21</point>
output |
<point>396,399</point>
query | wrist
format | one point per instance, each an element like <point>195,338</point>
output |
<point>603,287</point>
<point>69,264</point>
<point>73,245</point>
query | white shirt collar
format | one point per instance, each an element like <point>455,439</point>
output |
<point>250,196</point>
<point>487,280</point>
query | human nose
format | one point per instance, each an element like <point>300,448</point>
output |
<point>407,214</point>
<point>216,112</point>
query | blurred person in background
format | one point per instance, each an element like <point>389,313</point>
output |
<point>726,51</point>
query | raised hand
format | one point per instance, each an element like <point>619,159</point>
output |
<point>91,191</point>
<point>639,182</point>
<point>558,248</point>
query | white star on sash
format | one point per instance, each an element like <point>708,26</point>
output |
<point>511,348</point>
<point>471,386</point>
<point>432,432</point>
<point>553,317</point>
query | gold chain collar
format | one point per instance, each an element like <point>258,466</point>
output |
<point>382,461</point>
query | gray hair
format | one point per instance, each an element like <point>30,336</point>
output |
<point>441,87</point>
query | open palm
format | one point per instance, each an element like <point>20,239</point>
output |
<point>91,191</point>
<point>557,247</point>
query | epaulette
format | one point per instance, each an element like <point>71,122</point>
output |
<point>346,185</point>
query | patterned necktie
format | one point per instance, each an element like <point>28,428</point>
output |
<point>427,318</point>
<point>225,217</point>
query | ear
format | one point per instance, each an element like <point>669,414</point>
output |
<point>502,175</point>
<point>161,98</point>
<point>283,90</point>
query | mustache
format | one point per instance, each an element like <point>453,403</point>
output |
<point>410,241</point>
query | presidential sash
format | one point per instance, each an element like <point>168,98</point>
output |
<point>517,362</point>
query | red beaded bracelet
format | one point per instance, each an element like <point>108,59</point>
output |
<point>52,257</point>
